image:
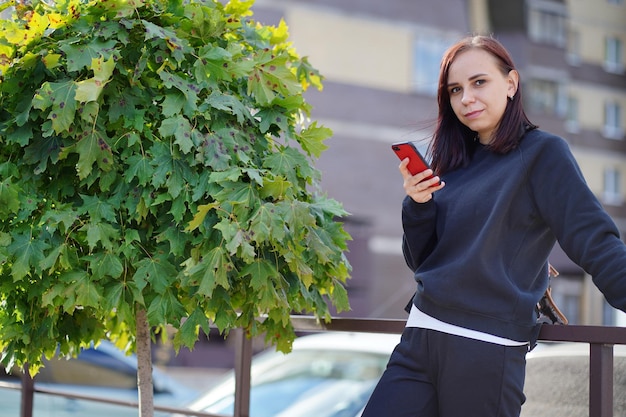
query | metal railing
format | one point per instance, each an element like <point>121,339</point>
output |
<point>601,341</point>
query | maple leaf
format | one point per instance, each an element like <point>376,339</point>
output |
<point>277,188</point>
<point>42,151</point>
<point>182,84</point>
<point>51,61</point>
<point>106,264</point>
<point>229,103</point>
<point>280,33</point>
<point>312,139</point>
<point>173,103</point>
<point>287,163</point>
<point>158,272</point>
<point>177,45</point>
<point>210,272</point>
<point>118,8</point>
<point>200,215</point>
<point>188,333</point>
<point>273,116</point>
<point>28,252</point>
<point>181,129</point>
<point>140,168</point>
<point>60,97</point>
<point>266,222</point>
<point>91,148</point>
<point>97,208</point>
<point>100,233</point>
<point>90,89</point>
<point>213,63</point>
<point>81,56</point>
<point>306,72</point>
<point>6,55</point>
<point>86,291</point>
<point>61,217</point>
<point>176,239</point>
<point>9,201</point>
<point>271,77</point>
<point>261,272</point>
<point>124,106</point>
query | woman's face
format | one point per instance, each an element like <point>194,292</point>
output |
<point>479,91</point>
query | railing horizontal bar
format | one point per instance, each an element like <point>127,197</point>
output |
<point>584,334</point>
<point>123,403</point>
<point>11,385</point>
<point>556,333</point>
<point>308,323</point>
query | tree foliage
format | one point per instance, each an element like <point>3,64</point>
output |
<point>158,155</point>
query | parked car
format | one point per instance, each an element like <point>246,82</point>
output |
<point>557,381</point>
<point>326,375</point>
<point>333,375</point>
<point>104,372</point>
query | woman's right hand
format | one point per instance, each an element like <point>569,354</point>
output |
<point>417,186</point>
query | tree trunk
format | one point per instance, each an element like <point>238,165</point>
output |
<point>144,365</point>
<point>28,393</point>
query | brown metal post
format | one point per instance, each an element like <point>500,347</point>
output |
<point>28,394</point>
<point>600,380</point>
<point>243,358</point>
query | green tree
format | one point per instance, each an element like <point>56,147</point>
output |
<point>157,169</point>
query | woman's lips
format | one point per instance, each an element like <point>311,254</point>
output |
<point>473,114</point>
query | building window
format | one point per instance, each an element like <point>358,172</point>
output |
<point>571,117</point>
<point>612,121</point>
<point>547,25</point>
<point>566,292</point>
<point>427,53</point>
<point>612,187</point>
<point>547,97</point>
<point>613,56</point>
<point>573,48</point>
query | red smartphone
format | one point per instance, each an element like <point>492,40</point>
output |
<point>417,163</point>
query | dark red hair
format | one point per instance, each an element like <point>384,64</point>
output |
<point>452,140</point>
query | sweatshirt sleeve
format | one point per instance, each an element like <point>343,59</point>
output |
<point>418,222</point>
<point>582,227</point>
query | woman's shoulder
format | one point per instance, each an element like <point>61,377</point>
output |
<point>539,148</point>
<point>537,140</point>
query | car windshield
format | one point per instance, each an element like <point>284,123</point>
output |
<point>307,383</point>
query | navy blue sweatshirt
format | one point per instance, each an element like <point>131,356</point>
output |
<point>479,248</point>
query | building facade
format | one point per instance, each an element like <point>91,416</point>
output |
<point>571,57</point>
<point>380,61</point>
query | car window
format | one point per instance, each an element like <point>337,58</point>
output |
<point>309,383</point>
<point>83,372</point>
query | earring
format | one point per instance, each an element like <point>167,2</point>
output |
<point>511,97</point>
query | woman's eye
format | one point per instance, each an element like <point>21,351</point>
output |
<point>480,82</point>
<point>454,90</point>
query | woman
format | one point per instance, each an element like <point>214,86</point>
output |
<point>478,243</point>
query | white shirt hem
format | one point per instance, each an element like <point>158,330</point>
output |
<point>418,318</point>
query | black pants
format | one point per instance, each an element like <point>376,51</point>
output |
<point>434,374</point>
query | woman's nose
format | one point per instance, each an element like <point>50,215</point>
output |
<point>467,97</point>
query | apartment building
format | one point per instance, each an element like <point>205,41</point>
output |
<point>595,117</point>
<point>571,57</point>
<point>381,60</point>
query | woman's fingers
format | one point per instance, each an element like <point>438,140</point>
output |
<point>420,187</point>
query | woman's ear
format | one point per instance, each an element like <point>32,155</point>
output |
<point>513,80</point>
